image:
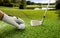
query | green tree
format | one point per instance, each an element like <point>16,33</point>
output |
<point>22,4</point>
<point>13,1</point>
<point>58,4</point>
<point>1,2</point>
<point>6,1</point>
<point>58,7</point>
<point>28,2</point>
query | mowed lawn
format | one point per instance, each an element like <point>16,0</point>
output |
<point>49,29</point>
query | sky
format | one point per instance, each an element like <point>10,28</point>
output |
<point>42,1</point>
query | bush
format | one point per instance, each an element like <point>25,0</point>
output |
<point>32,7</point>
<point>16,5</point>
<point>21,7</point>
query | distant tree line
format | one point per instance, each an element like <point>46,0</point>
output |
<point>32,3</point>
<point>22,3</point>
<point>57,3</point>
<point>7,3</point>
<point>10,3</point>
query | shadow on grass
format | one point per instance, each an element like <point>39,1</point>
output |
<point>11,32</point>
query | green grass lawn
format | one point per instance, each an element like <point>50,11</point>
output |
<point>50,28</point>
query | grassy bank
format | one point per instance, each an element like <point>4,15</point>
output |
<point>50,28</point>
